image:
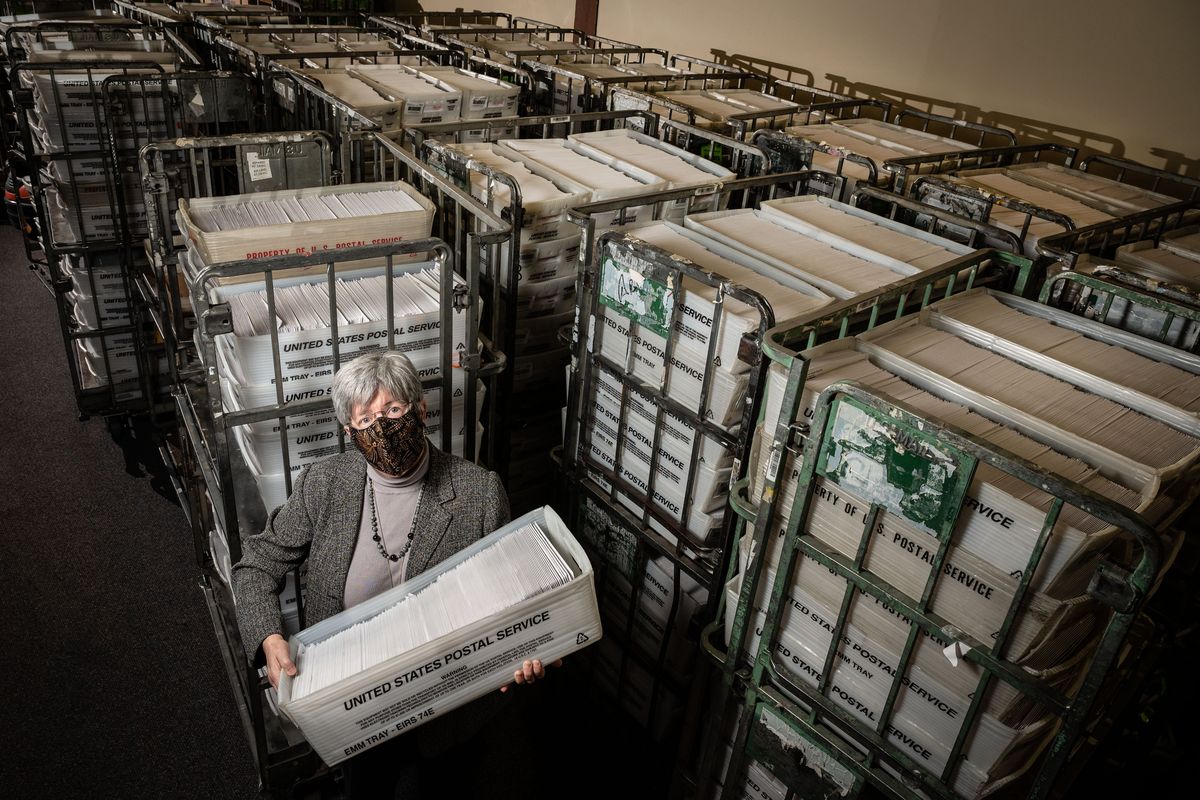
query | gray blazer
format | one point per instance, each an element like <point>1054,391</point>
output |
<point>460,504</point>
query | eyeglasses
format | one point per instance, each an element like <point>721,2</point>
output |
<point>391,412</point>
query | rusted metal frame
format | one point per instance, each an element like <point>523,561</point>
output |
<point>457,166</point>
<point>1186,188</point>
<point>745,159</point>
<point>1007,137</point>
<point>744,125</point>
<point>1139,581</point>
<point>469,242</point>
<point>985,158</point>
<point>419,22</point>
<point>1104,237</point>
<point>785,152</point>
<point>86,246</point>
<point>414,136</point>
<point>16,53</point>
<point>706,64</point>
<point>982,234</point>
<point>340,120</point>
<point>959,197</point>
<point>123,92</point>
<point>812,95</point>
<point>1173,300</point>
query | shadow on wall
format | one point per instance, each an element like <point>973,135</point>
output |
<point>1026,129</point>
<point>772,69</point>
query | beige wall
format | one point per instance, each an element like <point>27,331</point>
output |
<point>1116,76</point>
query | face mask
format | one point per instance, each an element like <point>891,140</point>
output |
<point>392,446</point>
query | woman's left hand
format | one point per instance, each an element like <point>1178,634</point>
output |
<point>530,672</point>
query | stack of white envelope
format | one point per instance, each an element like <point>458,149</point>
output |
<point>1175,258</point>
<point>679,168</point>
<point>1085,199</point>
<point>425,99</point>
<point>835,267</point>
<point>603,178</point>
<point>871,139</point>
<point>319,219</point>
<point>846,226</point>
<point>443,638</point>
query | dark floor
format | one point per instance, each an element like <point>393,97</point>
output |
<point>112,680</point>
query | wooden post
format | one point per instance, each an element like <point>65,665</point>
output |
<point>586,14</point>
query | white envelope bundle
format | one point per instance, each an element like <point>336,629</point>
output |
<point>845,227</point>
<point>443,638</point>
<point>544,198</point>
<point>303,326</point>
<point>836,265</point>
<point>304,221</point>
<point>556,160</point>
<point>679,168</point>
<point>1175,259</point>
<point>786,294</point>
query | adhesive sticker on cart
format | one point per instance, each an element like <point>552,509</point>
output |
<point>625,288</point>
<point>259,168</point>
<point>901,470</point>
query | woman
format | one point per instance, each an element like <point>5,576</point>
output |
<point>369,519</point>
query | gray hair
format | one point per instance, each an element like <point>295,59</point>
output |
<point>357,382</point>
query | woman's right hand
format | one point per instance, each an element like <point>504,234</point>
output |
<point>278,658</point>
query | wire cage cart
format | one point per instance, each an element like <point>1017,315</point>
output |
<point>578,82</point>
<point>255,49</point>
<point>531,284</point>
<point>1036,190</point>
<point>356,99</point>
<point>810,708</point>
<point>78,147</point>
<point>607,491</point>
<point>258,410</point>
<point>206,22</point>
<point>160,15</point>
<point>1137,273</point>
<point>428,24</point>
<point>863,149</point>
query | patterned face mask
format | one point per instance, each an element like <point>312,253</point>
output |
<point>392,446</point>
